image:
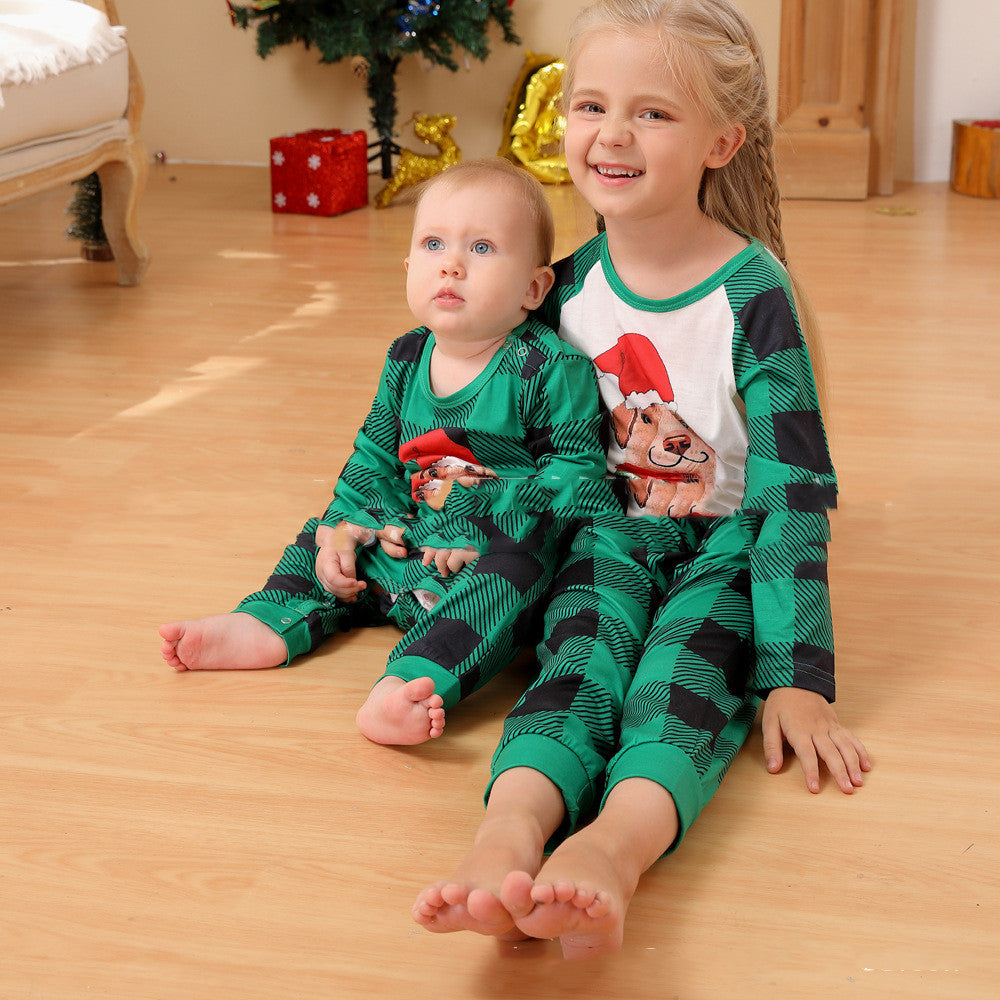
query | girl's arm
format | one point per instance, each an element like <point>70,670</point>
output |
<point>790,486</point>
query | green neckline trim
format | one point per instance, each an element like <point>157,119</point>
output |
<point>699,291</point>
<point>475,386</point>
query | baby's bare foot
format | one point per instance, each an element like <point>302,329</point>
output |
<point>236,641</point>
<point>402,713</point>
<point>470,899</point>
<point>578,897</point>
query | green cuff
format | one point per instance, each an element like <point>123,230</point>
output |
<point>289,623</point>
<point>559,764</point>
<point>668,767</point>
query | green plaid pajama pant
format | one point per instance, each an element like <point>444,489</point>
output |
<point>644,666</point>
<point>482,617</point>
<point>645,655</point>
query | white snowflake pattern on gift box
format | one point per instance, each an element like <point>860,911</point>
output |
<point>319,172</point>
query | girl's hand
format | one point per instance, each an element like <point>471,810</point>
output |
<point>449,560</point>
<point>391,540</point>
<point>809,724</point>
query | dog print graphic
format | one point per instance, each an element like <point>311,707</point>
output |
<point>670,469</point>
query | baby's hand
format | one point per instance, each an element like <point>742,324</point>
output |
<point>335,559</point>
<point>808,722</point>
<point>448,560</point>
<point>391,539</point>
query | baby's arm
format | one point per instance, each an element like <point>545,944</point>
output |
<point>335,559</point>
<point>372,490</point>
<point>809,724</point>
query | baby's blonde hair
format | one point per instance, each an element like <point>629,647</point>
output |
<point>712,52</point>
<point>517,180</point>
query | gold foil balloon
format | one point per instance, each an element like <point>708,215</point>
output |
<point>413,168</point>
<point>534,124</point>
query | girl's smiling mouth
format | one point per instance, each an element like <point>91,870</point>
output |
<point>614,172</point>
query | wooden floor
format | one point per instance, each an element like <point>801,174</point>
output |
<point>231,837</point>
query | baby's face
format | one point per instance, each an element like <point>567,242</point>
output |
<point>471,271</point>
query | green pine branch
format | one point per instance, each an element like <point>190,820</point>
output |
<point>383,32</point>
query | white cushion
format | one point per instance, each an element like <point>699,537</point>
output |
<point>78,99</point>
<point>58,148</point>
<point>39,38</point>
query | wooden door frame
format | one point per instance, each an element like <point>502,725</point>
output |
<point>838,97</point>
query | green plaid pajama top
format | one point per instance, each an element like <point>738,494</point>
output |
<point>520,442</point>
<point>714,412</point>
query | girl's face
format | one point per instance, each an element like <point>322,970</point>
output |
<point>636,146</point>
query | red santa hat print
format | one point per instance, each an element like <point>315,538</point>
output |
<point>642,376</point>
<point>437,446</point>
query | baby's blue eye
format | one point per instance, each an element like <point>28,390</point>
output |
<point>433,243</point>
<point>481,247</point>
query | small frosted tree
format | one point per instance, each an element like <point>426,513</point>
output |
<point>87,226</point>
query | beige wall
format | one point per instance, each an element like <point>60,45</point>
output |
<point>210,97</point>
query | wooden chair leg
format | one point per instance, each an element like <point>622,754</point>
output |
<point>122,182</point>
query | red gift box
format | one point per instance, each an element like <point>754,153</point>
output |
<point>319,172</point>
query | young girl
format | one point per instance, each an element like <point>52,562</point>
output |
<point>685,307</point>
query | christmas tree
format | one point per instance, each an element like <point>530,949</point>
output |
<point>86,209</point>
<point>377,35</point>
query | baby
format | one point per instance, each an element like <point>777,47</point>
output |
<point>481,447</point>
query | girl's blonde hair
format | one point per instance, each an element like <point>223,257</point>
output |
<point>712,52</point>
<point>522,185</point>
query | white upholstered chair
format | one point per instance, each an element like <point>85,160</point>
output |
<point>63,120</point>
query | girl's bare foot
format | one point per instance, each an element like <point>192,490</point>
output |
<point>523,811</point>
<point>583,891</point>
<point>470,899</point>
<point>578,897</point>
<point>236,641</point>
<point>453,906</point>
<point>402,713</point>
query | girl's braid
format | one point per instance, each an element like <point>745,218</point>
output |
<point>764,145</point>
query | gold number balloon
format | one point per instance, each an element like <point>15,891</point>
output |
<point>534,124</point>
